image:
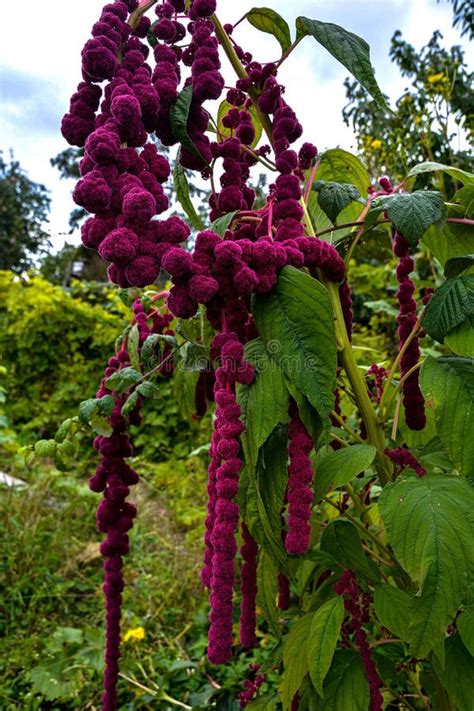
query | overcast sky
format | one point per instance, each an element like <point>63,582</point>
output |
<point>40,68</point>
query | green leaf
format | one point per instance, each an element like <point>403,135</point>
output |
<point>448,386</point>
<point>148,390</point>
<point>271,480</point>
<point>122,380</point>
<point>222,223</point>
<point>452,304</point>
<point>87,409</point>
<point>334,197</point>
<point>457,265</point>
<point>264,402</point>
<point>341,539</point>
<point>430,525</point>
<point>267,591</point>
<point>184,388</point>
<point>45,447</point>
<point>101,425</point>
<point>150,351</point>
<point>308,414</point>
<point>130,403</point>
<point>465,197</point>
<point>450,240</point>
<point>392,609</point>
<point>133,340</point>
<point>295,660</point>
<point>267,20</point>
<point>429,167</point>
<point>413,213</point>
<point>296,324</point>
<point>349,49</point>
<point>181,187</point>
<point>346,687</point>
<point>179,114</point>
<point>264,703</point>
<point>224,132</point>
<point>338,468</point>
<point>106,405</point>
<point>465,625</point>
<point>338,166</point>
<point>458,674</point>
<point>323,636</point>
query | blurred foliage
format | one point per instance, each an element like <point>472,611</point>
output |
<point>24,210</point>
<point>428,118</point>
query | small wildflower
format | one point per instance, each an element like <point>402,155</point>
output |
<point>135,635</point>
<point>376,143</point>
<point>435,78</point>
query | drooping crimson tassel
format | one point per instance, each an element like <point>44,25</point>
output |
<point>300,493</point>
<point>413,401</point>
<point>248,587</point>
<point>357,605</point>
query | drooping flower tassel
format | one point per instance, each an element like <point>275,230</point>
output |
<point>248,587</point>
<point>300,493</point>
<point>413,401</point>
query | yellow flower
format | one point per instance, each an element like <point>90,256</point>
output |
<point>435,78</point>
<point>136,635</point>
<point>376,143</point>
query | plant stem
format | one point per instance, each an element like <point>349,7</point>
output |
<point>359,388</point>
<point>397,360</point>
<point>241,73</point>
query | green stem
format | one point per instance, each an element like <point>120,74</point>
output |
<point>374,430</point>
<point>241,73</point>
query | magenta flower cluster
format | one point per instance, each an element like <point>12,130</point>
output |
<point>251,686</point>
<point>357,604</point>
<point>404,458</point>
<point>413,401</point>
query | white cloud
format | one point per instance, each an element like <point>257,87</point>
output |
<point>53,33</point>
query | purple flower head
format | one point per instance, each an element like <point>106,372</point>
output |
<point>92,193</point>
<point>119,246</point>
<point>143,271</point>
<point>138,205</point>
<point>103,146</point>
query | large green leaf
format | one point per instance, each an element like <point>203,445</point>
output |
<point>449,240</point>
<point>264,402</point>
<point>180,183</point>
<point>341,540</point>
<point>339,467</point>
<point>346,687</point>
<point>452,304</point>
<point>267,20</point>
<point>222,223</point>
<point>430,525</point>
<point>339,166</point>
<point>457,265</point>
<point>334,197</point>
<point>323,636</point>
<point>296,323</point>
<point>262,494</point>
<point>413,213</point>
<point>267,590</point>
<point>295,660</point>
<point>457,676</point>
<point>184,388</point>
<point>448,386</point>
<point>392,609</point>
<point>349,49</point>
<point>179,114</point>
<point>465,625</point>
<point>429,167</point>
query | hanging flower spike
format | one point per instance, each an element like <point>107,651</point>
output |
<point>300,493</point>
<point>248,586</point>
<point>413,401</point>
<point>357,605</point>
